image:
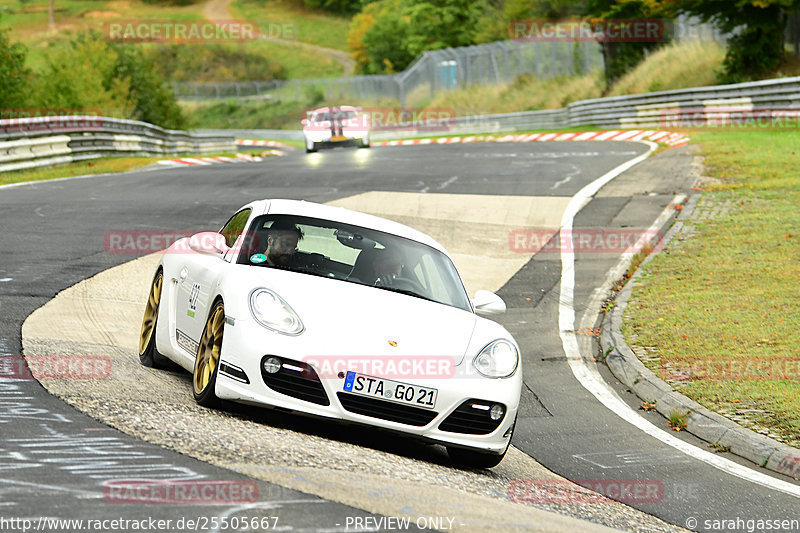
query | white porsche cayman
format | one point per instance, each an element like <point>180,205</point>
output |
<point>334,313</point>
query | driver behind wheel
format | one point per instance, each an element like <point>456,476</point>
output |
<point>282,240</point>
<point>387,266</point>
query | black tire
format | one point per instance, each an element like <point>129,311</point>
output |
<point>148,354</point>
<point>311,147</point>
<point>206,363</point>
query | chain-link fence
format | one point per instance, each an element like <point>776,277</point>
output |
<point>453,68</point>
<point>429,74</point>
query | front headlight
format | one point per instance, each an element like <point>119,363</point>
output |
<point>499,359</point>
<point>271,311</point>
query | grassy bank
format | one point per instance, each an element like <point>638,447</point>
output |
<point>718,311</point>
<point>292,20</point>
<point>96,166</point>
<point>28,22</point>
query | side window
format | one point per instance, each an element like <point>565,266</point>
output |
<point>235,226</point>
<point>438,287</point>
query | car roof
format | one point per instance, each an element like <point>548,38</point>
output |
<point>344,215</point>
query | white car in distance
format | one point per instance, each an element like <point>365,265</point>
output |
<point>329,127</point>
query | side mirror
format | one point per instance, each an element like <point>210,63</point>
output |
<point>208,242</point>
<point>304,122</point>
<point>487,303</point>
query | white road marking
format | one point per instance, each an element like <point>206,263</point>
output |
<point>594,384</point>
<point>5,280</point>
<point>40,487</point>
<point>447,182</point>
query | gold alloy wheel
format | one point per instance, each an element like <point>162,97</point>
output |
<point>209,349</point>
<point>151,313</point>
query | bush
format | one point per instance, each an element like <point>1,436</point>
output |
<point>82,75</point>
<point>13,74</point>
<point>388,34</point>
<point>753,54</point>
<point>346,7</point>
<point>151,99</point>
<point>201,62</point>
<point>117,80</point>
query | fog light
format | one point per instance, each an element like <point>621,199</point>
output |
<point>271,365</point>
<point>497,412</point>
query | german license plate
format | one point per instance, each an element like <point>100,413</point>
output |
<point>337,138</point>
<point>393,391</point>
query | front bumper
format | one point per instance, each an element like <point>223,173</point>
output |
<point>327,398</point>
<point>347,138</point>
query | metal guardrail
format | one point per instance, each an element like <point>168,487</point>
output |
<point>761,101</point>
<point>40,141</point>
<point>45,141</point>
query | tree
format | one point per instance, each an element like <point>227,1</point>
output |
<point>388,34</point>
<point>755,49</point>
<point>13,74</point>
<point>150,97</point>
<point>619,56</point>
<point>90,75</point>
<point>80,78</point>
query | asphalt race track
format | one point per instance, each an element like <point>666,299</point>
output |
<point>54,459</point>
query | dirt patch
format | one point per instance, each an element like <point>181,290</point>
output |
<point>102,14</point>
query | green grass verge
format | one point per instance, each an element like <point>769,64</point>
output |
<point>297,62</point>
<point>227,114</point>
<point>291,20</point>
<point>107,165</point>
<point>721,307</point>
<point>28,20</point>
<point>96,166</point>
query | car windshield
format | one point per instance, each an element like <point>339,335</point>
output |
<point>355,255</point>
<point>338,115</point>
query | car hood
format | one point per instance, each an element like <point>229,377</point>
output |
<point>345,318</point>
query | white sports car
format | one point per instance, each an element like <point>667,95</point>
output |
<point>336,126</point>
<point>338,314</point>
